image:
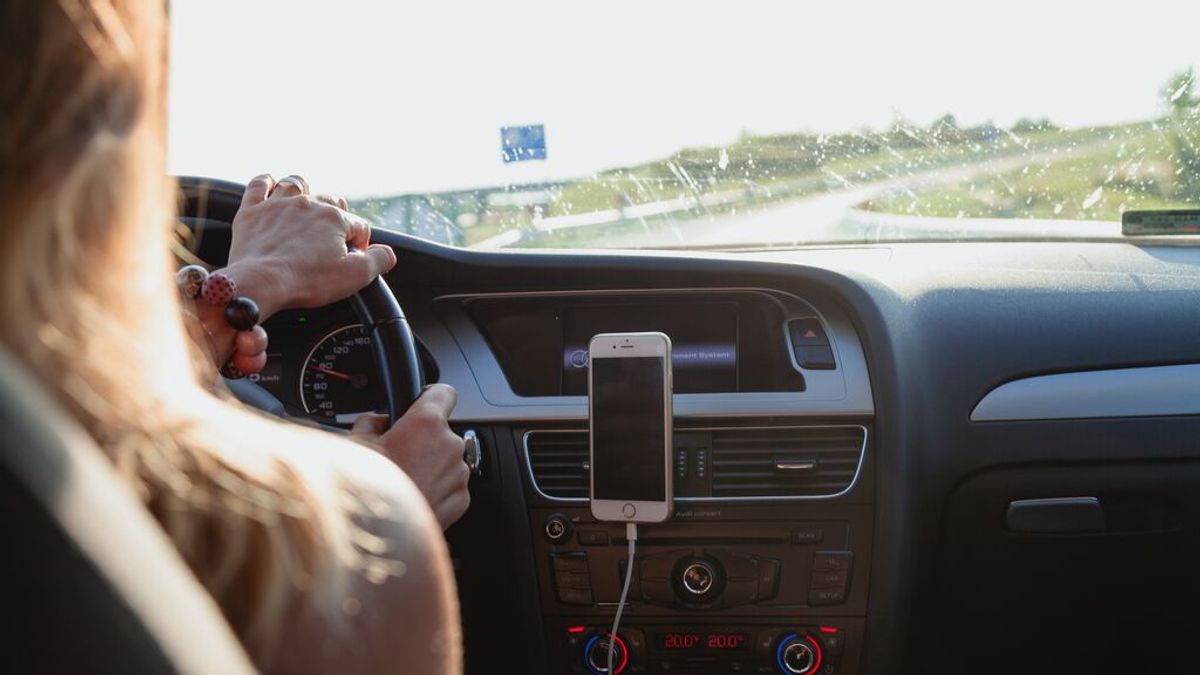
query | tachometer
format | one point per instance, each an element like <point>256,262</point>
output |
<point>340,379</point>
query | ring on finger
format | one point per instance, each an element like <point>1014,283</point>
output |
<point>295,181</point>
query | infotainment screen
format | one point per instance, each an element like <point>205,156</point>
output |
<point>704,338</point>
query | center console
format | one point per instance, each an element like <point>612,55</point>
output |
<point>765,564</point>
<point>757,583</point>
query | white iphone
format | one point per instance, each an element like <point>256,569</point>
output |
<point>629,417</point>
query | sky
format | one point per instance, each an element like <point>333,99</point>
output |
<point>378,97</point>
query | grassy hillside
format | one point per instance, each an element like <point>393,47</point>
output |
<point>1139,170</point>
<point>789,165</point>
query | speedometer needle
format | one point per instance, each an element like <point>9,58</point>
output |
<point>332,373</point>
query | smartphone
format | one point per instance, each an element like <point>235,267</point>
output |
<point>629,417</point>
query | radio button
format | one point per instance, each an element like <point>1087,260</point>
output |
<point>575,596</point>
<point>809,534</point>
<point>658,591</point>
<point>737,565</point>
<point>825,561</point>
<point>768,578</point>
<point>569,562</point>
<point>831,579</point>
<point>740,593</point>
<point>826,596</point>
<point>572,580</point>
<point>659,566</point>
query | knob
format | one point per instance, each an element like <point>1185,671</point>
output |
<point>698,578</point>
<point>557,528</point>
<point>595,654</point>
<point>798,654</point>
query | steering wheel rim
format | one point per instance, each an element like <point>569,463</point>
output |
<point>374,305</point>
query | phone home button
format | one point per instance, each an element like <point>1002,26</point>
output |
<point>629,510</point>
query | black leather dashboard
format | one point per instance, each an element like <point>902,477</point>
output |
<point>938,326</point>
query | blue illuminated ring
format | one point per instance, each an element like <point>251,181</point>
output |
<point>587,649</point>
<point>778,650</point>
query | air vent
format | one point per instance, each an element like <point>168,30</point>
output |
<point>785,462</point>
<point>558,462</point>
<point>749,462</point>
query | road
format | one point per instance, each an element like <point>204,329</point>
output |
<point>828,216</point>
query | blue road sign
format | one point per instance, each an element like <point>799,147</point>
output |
<point>523,143</point>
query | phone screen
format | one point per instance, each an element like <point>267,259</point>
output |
<point>628,423</point>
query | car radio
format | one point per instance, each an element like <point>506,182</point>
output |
<point>731,596</point>
<point>775,584</point>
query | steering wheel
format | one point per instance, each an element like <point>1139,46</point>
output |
<point>375,305</point>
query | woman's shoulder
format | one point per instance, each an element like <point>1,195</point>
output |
<point>392,598</point>
<point>384,592</point>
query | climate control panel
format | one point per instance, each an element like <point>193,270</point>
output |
<point>790,650</point>
<point>721,588</point>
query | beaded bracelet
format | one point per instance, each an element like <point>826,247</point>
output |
<point>241,313</point>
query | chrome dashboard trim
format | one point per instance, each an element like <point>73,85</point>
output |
<point>1123,392</point>
<point>862,455</point>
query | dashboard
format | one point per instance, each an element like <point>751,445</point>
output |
<point>999,442</point>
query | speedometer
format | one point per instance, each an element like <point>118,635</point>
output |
<point>340,380</point>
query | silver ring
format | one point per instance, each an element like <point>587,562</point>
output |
<point>294,180</point>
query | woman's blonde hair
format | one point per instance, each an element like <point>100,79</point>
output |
<point>88,302</point>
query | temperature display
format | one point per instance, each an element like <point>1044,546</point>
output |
<point>702,642</point>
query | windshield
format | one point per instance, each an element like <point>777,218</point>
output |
<point>685,124</point>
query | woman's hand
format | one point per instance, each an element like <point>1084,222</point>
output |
<point>422,444</point>
<point>296,250</point>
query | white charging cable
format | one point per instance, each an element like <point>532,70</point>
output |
<point>631,535</point>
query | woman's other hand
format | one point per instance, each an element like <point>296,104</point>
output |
<point>423,445</point>
<point>292,249</point>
